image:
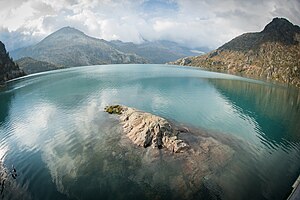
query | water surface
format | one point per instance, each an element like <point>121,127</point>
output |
<point>54,131</point>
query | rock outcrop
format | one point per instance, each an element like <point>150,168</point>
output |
<point>8,69</point>
<point>145,129</point>
<point>190,174</point>
<point>271,54</point>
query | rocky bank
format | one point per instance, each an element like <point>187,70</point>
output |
<point>272,54</point>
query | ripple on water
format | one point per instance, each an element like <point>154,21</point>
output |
<point>54,131</point>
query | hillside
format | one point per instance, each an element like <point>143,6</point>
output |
<point>273,54</point>
<point>69,47</point>
<point>8,69</point>
<point>157,51</point>
<point>31,66</point>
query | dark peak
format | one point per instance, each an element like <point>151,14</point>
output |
<point>282,25</point>
<point>2,47</point>
<point>279,30</point>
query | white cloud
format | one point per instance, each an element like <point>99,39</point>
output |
<point>190,22</point>
<point>16,17</point>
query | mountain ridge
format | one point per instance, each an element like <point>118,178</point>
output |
<point>156,52</point>
<point>278,30</point>
<point>272,54</point>
<point>69,47</point>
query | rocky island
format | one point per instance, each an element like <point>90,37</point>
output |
<point>191,157</point>
<point>145,129</point>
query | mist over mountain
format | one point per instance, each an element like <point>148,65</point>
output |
<point>160,51</point>
<point>69,47</point>
<point>272,53</point>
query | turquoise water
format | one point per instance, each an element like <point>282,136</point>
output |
<point>55,134</point>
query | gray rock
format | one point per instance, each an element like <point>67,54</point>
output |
<point>185,61</point>
<point>145,129</point>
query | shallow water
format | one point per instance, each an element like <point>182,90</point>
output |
<point>54,131</point>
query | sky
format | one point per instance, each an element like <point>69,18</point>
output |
<point>192,23</point>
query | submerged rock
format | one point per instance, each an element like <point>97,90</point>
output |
<point>9,187</point>
<point>145,129</point>
<point>183,161</point>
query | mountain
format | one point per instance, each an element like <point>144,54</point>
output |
<point>31,66</point>
<point>273,54</point>
<point>158,51</point>
<point>70,47</point>
<point>8,69</point>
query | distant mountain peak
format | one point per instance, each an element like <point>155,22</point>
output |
<point>280,24</point>
<point>68,30</point>
<point>272,54</point>
<point>69,47</point>
<point>279,30</point>
<point>64,35</point>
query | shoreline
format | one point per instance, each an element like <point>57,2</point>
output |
<point>246,76</point>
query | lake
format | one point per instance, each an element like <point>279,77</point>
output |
<point>55,134</point>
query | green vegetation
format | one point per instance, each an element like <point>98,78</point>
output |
<point>30,65</point>
<point>114,109</point>
<point>8,69</point>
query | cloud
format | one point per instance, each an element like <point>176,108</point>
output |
<point>19,38</point>
<point>193,23</point>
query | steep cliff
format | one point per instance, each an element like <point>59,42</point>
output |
<point>8,69</point>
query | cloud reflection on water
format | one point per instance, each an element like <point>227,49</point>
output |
<point>76,139</point>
